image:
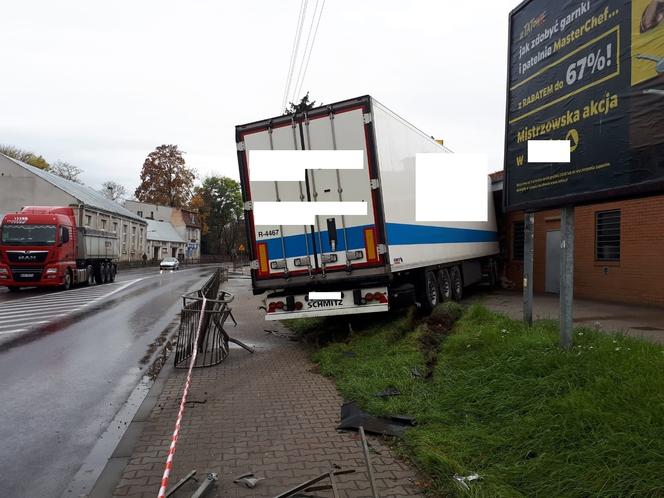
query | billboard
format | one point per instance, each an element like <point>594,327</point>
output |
<point>591,72</point>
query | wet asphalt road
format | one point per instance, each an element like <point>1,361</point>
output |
<point>60,388</point>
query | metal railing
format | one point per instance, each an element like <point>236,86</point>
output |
<point>213,340</point>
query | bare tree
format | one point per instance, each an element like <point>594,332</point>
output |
<point>66,170</point>
<point>113,191</point>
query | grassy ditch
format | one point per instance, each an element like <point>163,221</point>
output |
<point>502,400</point>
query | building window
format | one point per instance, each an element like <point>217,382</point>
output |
<point>115,227</point>
<point>140,213</point>
<point>517,240</point>
<point>88,220</point>
<point>607,235</point>
<point>103,224</point>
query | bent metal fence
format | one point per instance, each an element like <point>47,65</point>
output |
<point>213,340</point>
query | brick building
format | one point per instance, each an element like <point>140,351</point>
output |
<point>618,248</point>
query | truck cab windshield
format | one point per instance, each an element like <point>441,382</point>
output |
<point>28,235</point>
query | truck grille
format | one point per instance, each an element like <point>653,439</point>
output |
<point>27,256</point>
<point>27,274</point>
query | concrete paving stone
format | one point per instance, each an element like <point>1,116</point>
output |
<point>269,413</point>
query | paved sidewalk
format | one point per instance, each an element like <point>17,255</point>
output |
<point>646,322</point>
<point>269,413</point>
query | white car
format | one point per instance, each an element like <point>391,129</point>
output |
<point>169,263</point>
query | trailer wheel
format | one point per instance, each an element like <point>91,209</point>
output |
<point>444,284</point>
<point>91,275</point>
<point>99,279</point>
<point>457,283</point>
<point>112,269</point>
<point>431,291</point>
<point>66,283</point>
<point>104,273</point>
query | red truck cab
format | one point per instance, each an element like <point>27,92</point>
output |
<point>38,248</point>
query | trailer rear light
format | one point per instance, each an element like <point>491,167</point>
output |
<point>298,306</point>
<point>279,305</point>
<point>304,261</point>
<point>353,255</point>
<point>380,297</point>
<point>370,244</point>
<point>263,266</point>
<point>369,297</point>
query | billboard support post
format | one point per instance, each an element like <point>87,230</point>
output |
<point>566,276</point>
<point>528,256</point>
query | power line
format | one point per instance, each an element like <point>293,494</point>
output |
<point>298,85</point>
<point>304,55</point>
<point>294,51</point>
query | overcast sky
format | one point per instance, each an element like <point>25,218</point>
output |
<point>100,87</point>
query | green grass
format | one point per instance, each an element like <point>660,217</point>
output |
<point>504,401</point>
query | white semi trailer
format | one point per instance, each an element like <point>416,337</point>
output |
<point>356,263</point>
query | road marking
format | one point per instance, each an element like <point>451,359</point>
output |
<point>19,316</point>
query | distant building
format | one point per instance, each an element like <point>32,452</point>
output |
<point>163,241</point>
<point>185,222</point>
<point>617,248</point>
<point>24,185</point>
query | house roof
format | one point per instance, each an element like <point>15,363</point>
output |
<point>84,194</point>
<point>191,218</point>
<point>162,231</point>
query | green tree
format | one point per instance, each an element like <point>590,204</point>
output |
<point>25,156</point>
<point>219,203</point>
<point>165,178</point>
<point>301,106</point>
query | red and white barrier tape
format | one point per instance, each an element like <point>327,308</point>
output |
<point>183,401</point>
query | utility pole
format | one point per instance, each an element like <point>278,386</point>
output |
<point>528,256</point>
<point>566,276</point>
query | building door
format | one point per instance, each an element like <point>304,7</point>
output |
<point>155,252</point>
<point>174,251</point>
<point>552,264</point>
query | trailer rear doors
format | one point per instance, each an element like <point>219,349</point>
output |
<point>334,243</point>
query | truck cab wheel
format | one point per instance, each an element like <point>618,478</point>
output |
<point>66,283</point>
<point>444,284</point>
<point>431,292</point>
<point>457,283</point>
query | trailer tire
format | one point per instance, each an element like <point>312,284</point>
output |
<point>112,269</point>
<point>444,284</point>
<point>66,283</point>
<point>91,275</point>
<point>99,279</point>
<point>431,291</point>
<point>493,274</point>
<point>457,283</point>
<point>104,273</point>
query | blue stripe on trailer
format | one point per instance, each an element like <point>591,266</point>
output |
<point>397,234</point>
<point>406,234</point>
<point>296,245</point>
